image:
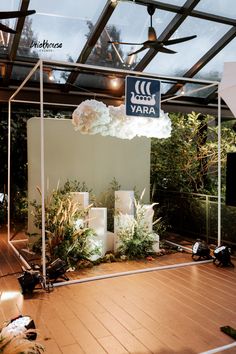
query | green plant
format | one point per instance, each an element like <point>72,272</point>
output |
<point>107,200</point>
<point>134,238</point>
<point>67,235</point>
<point>187,161</point>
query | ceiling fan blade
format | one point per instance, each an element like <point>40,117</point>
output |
<point>13,14</point>
<point>165,50</point>
<point>6,29</point>
<point>128,43</point>
<point>178,40</point>
<point>137,51</point>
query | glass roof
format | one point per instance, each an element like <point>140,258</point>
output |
<point>213,70</point>
<point>6,38</point>
<point>225,8</point>
<point>58,29</point>
<point>80,31</point>
<point>122,27</point>
<point>208,33</point>
<point>174,2</point>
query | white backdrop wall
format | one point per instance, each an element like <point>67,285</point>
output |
<point>92,159</point>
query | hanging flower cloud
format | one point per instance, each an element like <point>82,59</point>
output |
<point>94,117</point>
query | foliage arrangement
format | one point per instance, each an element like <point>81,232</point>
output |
<point>187,161</point>
<point>134,238</point>
<point>67,234</point>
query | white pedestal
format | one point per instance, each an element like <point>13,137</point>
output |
<point>124,202</point>
<point>98,222</point>
<point>82,198</point>
<point>148,216</point>
<point>121,221</point>
<point>156,245</point>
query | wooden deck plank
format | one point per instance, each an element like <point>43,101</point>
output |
<point>112,346</point>
<point>72,349</point>
<point>83,337</point>
<point>171,311</point>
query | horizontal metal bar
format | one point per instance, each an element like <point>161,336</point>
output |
<point>131,272</point>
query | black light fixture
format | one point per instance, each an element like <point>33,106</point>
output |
<point>29,280</point>
<point>222,256</point>
<point>200,250</point>
<point>56,270</point>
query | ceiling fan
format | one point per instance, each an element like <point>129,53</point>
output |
<point>152,41</point>
<point>13,14</point>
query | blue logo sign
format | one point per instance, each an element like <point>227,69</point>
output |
<point>142,97</point>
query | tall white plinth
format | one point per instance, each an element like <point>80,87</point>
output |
<point>82,198</point>
<point>121,222</point>
<point>124,202</point>
<point>98,222</point>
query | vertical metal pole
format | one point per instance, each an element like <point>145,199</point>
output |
<point>9,174</point>
<point>207,218</point>
<point>42,168</point>
<point>219,168</point>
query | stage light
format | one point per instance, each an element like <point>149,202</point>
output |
<point>56,270</point>
<point>115,82</point>
<point>29,279</point>
<point>200,250</point>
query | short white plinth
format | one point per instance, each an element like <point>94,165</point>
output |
<point>156,244</point>
<point>124,202</point>
<point>98,222</point>
<point>121,222</point>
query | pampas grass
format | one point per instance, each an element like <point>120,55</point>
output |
<point>19,344</point>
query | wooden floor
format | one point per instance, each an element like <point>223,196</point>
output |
<point>168,311</point>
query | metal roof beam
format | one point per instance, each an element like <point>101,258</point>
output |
<point>92,40</point>
<point>168,32</point>
<point>231,34</point>
<point>15,43</point>
<point>194,13</point>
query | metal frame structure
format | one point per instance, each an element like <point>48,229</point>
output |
<point>181,13</point>
<point>39,67</point>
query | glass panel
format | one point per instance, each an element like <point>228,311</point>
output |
<point>49,75</point>
<point>58,30</point>
<point>225,8</point>
<point>188,53</point>
<point>188,88</point>
<point>214,69</point>
<point>93,82</point>
<point>5,37</point>
<point>122,26</point>
<point>174,2</point>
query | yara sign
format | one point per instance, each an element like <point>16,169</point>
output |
<point>142,97</point>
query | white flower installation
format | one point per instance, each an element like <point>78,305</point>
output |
<point>93,117</point>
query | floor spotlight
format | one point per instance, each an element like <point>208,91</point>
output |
<point>56,270</point>
<point>29,280</point>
